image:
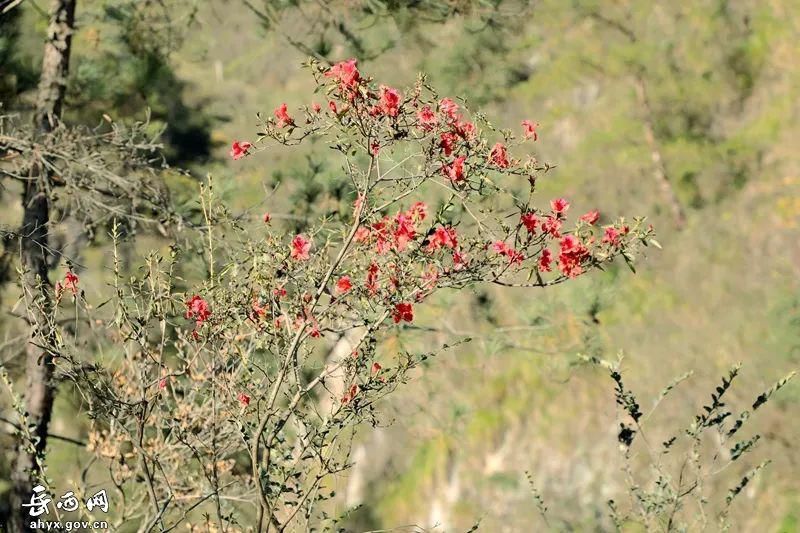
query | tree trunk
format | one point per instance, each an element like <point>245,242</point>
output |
<point>659,170</point>
<point>34,237</point>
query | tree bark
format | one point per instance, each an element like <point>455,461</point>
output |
<point>34,246</point>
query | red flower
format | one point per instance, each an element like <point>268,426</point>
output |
<point>571,256</point>
<point>279,293</point>
<point>375,148</point>
<point>372,278</point>
<point>545,260</point>
<point>552,226</point>
<point>239,149</point>
<point>466,130</point>
<point>316,107</point>
<point>71,282</point>
<point>343,285</point>
<point>559,205</point>
<point>350,394</point>
<point>530,220</point>
<point>443,237</point>
<point>402,311</point>
<point>499,156</point>
<point>332,106</point>
<point>529,128</point>
<point>162,383</point>
<point>612,236</point>
<point>362,234</point>
<point>283,116</point>
<point>514,257</point>
<point>591,217</point>
<point>418,211</point>
<point>244,399</point>
<point>267,218</point>
<point>346,73</point>
<point>300,247</point>
<point>426,118</point>
<point>376,367</point>
<point>404,232</point>
<point>390,100</point>
<point>456,170</point>
<point>447,142</point>
<point>198,309</point>
<point>258,310</point>
<point>459,261</point>
<point>449,108</point>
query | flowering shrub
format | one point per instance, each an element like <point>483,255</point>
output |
<point>244,392</point>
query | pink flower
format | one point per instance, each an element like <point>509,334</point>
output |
<point>591,217</point>
<point>71,282</point>
<point>198,310</point>
<point>350,395</point>
<point>466,130</point>
<point>442,237</point>
<point>418,211</point>
<point>332,106</point>
<point>499,156</point>
<point>447,142</point>
<point>375,148</point>
<point>545,260</point>
<point>283,116</point>
<point>244,399</point>
<point>552,226</point>
<point>362,234</point>
<point>514,257</point>
<point>390,100</point>
<point>426,118</point>
<point>267,218</point>
<point>300,247</point>
<point>239,149</point>
<point>346,73</point>
<point>612,236</point>
<point>459,261</point>
<point>279,293</point>
<point>162,383</point>
<point>571,256</point>
<point>529,128</point>
<point>559,205</point>
<point>402,312</point>
<point>376,367</point>
<point>530,220</point>
<point>343,285</point>
<point>372,278</point>
<point>316,107</point>
<point>449,108</point>
<point>455,171</point>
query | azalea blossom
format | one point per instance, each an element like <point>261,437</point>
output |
<point>346,73</point>
<point>316,107</point>
<point>611,236</point>
<point>244,399</point>
<point>390,100</point>
<point>530,220</point>
<point>559,205</point>
<point>376,367</point>
<point>197,309</point>
<point>343,285</point>
<point>571,256</point>
<point>402,312</point>
<point>372,278</point>
<point>455,171</point>
<point>529,129</point>
<point>499,156</point>
<point>426,118</point>
<point>545,261</point>
<point>282,115</point>
<point>442,237</point>
<point>552,226</point>
<point>449,108</point>
<point>267,218</point>
<point>239,149</point>
<point>300,247</point>
<point>591,217</point>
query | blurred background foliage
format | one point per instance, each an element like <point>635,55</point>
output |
<point>722,83</point>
